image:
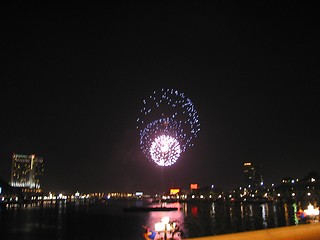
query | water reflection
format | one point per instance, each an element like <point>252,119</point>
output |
<point>217,218</point>
<point>178,216</point>
<point>33,221</point>
<point>61,220</point>
<point>264,212</point>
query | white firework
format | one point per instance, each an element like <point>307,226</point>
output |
<point>167,116</point>
<point>165,150</point>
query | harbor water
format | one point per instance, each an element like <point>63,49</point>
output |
<point>107,220</point>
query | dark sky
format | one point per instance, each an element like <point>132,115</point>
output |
<point>74,75</point>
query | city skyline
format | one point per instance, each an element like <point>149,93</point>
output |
<point>74,78</point>
<point>253,178</point>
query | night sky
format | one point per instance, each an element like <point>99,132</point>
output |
<point>74,75</point>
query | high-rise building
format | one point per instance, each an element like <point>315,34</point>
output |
<point>27,171</point>
<point>253,176</point>
<point>259,176</point>
<point>248,171</point>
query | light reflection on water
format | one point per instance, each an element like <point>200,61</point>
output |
<point>155,216</point>
<point>62,221</point>
<point>264,208</point>
<point>220,218</point>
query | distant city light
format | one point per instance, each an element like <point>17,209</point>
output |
<point>174,191</point>
<point>194,186</point>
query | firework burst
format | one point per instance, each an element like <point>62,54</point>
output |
<point>167,126</point>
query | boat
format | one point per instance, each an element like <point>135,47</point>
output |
<point>149,209</point>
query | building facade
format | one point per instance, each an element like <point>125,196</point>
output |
<point>27,171</point>
<point>253,176</point>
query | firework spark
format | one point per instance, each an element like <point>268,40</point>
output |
<point>167,126</point>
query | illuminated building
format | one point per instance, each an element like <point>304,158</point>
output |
<point>248,171</point>
<point>253,177</point>
<point>194,186</point>
<point>27,171</point>
<point>259,176</point>
<point>174,191</point>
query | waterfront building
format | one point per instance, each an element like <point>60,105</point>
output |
<point>248,171</point>
<point>253,176</point>
<point>259,176</point>
<point>27,172</point>
<point>305,190</point>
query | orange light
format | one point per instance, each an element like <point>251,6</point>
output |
<point>193,186</point>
